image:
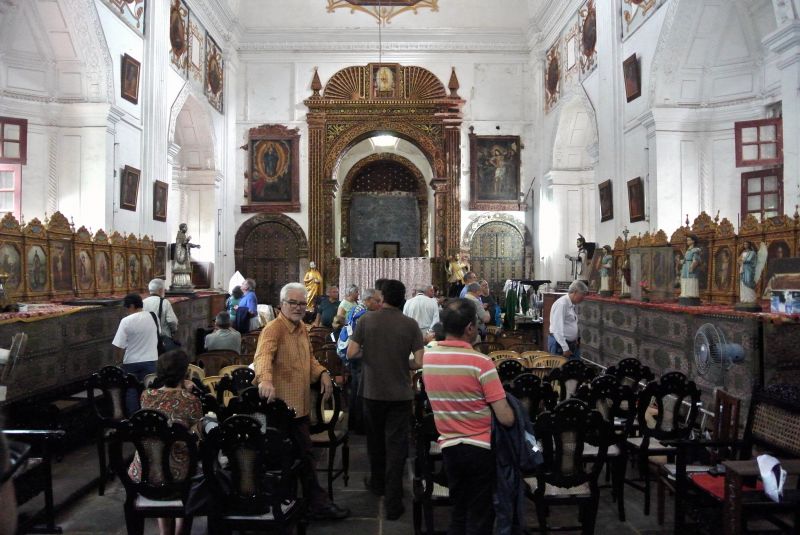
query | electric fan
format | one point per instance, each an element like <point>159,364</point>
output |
<point>712,351</point>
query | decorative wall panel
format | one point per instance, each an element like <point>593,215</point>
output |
<point>130,11</point>
<point>635,13</point>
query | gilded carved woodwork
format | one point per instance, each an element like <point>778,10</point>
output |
<point>359,102</point>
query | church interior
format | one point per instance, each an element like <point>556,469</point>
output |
<point>638,146</point>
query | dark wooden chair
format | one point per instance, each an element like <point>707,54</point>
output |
<point>567,476</point>
<point>233,384</point>
<point>329,431</point>
<point>163,489</point>
<point>257,490</point>
<point>429,483</point>
<point>113,383</point>
<point>275,414</point>
<point>631,372</point>
<point>616,403</point>
<point>666,410</point>
<point>536,394</point>
<point>250,343</point>
<point>773,426</point>
<point>509,369</point>
<point>213,361</point>
<point>569,377</point>
<point>487,347</point>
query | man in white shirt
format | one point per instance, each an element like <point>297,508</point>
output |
<point>423,308</point>
<point>167,319</point>
<point>136,344</point>
<point>564,338</point>
<point>223,337</point>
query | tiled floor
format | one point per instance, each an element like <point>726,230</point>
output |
<point>94,515</point>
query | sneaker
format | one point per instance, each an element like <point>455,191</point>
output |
<point>329,511</point>
<point>374,489</point>
<point>395,513</point>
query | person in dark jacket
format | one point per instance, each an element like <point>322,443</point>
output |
<point>464,391</point>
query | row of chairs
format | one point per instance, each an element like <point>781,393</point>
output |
<point>229,393</point>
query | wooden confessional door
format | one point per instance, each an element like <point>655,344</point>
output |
<point>270,256</point>
<point>497,253</point>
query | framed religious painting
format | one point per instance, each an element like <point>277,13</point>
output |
<point>179,36</point>
<point>386,249</point>
<point>636,199</point>
<point>102,263</point>
<point>272,180</point>
<point>85,282</point>
<point>632,78</point>
<point>606,201</point>
<point>494,172</point>
<point>129,188</point>
<point>11,257</point>
<point>37,260</point>
<point>134,263</point>
<point>59,238</point>
<point>119,263</point>
<point>147,251</point>
<point>160,200</point>
<point>129,85</point>
<point>160,260</point>
<point>384,78</point>
<point>215,74</point>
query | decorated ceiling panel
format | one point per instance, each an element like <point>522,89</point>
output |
<point>131,11</point>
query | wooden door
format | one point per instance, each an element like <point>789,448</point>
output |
<point>497,253</point>
<point>270,256</point>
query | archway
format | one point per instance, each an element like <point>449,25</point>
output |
<point>272,249</point>
<point>500,249</point>
<point>385,199</point>
<point>362,101</point>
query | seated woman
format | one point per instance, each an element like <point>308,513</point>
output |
<point>178,403</point>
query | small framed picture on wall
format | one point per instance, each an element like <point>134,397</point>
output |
<point>129,188</point>
<point>160,200</point>
<point>636,199</point>
<point>632,77</point>
<point>606,201</point>
<point>386,249</point>
<point>129,86</point>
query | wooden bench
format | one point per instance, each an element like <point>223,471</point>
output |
<point>773,426</point>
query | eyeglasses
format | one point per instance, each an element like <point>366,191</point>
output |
<point>292,302</point>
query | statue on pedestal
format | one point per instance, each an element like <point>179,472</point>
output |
<point>182,262</point>
<point>456,268</point>
<point>690,283</point>
<point>606,268</point>
<point>579,262</point>
<point>313,282</point>
<point>751,265</point>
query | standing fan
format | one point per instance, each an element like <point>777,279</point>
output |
<point>712,351</point>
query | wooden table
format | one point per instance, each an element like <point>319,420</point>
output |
<point>735,471</point>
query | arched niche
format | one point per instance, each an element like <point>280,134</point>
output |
<point>420,192</point>
<point>359,102</point>
<point>273,250</point>
<point>511,254</point>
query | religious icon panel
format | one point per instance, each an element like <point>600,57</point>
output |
<point>494,172</point>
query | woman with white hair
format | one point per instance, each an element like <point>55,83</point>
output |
<point>349,302</point>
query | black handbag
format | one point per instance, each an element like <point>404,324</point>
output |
<point>165,342</point>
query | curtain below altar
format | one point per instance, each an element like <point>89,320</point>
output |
<point>363,272</point>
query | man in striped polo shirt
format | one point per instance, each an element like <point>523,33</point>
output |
<point>464,389</point>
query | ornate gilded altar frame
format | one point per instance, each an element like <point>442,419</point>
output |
<point>35,241</point>
<point>103,266</point>
<point>723,265</point>
<point>13,266</point>
<point>256,138</point>
<point>119,263</point>
<point>346,113</point>
<point>59,241</point>
<point>347,197</point>
<point>134,264</point>
<point>85,282</point>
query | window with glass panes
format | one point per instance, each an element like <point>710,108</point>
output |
<point>762,193</point>
<point>759,142</point>
<point>10,188</point>
<point>13,140</point>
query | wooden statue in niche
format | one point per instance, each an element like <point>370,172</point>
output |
<point>690,272</point>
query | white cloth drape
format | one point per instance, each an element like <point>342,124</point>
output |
<point>363,272</point>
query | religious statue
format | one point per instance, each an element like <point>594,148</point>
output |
<point>690,282</point>
<point>606,268</point>
<point>625,278</point>
<point>456,268</point>
<point>579,262</point>
<point>751,264</point>
<point>182,261</point>
<point>313,282</point>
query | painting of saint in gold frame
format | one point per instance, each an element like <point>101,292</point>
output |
<point>273,181</point>
<point>494,172</point>
<point>384,80</point>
